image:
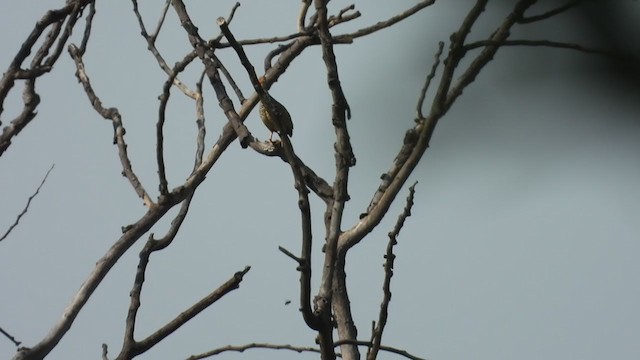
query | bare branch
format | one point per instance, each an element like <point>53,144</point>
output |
<point>113,115</point>
<point>291,255</point>
<point>87,29</point>
<point>103,266</point>
<point>105,352</point>
<point>52,17</point>
<point>11,338</point>
<point>205,53</point>
<point>456,53</point>
<point>383,24</point>
<point>242,348</point>
<point>202,130</point>
<point>382,347</point>
<point>151,45</point>
<point>303,15</point>
<point>191,312</point>
<point>299,349</point>
<point>266,40</point>
<point>272,54</point>
<point>152,245</point>
<point>417,139</point>
<point>376,334</point>
<point>303,193</point>
<point>343,16</point>
<point>550,13</point>
<point>244,60</point>
<point>499,36</point>
<point>164,99</point>
<point>344,159</point>
<point>550,44</point>
<point>26,207</point>
<point>427,81</point>
<point>30,99</point>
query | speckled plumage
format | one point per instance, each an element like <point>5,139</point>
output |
<point>281,120</point>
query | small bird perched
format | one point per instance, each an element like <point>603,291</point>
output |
<point>280,122</point>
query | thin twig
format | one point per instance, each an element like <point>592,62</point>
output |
<point>383,24</point>
<point>376,334</point>
<point>26,207</point>
<point>232,284</point>
<point>200,122</point>
<point>38,65</point>
<point>130,346</point>
<point>291,255</point>
<point>164,100</point>
<point>499,35</point>
<point>232,82</point>
<point>341,17</point>
<point>244,60</point>
<point>550,44</point>
<point>417,138</point>
<point>382,347</point>
<point>299,349</point>
<point>151,46</point>
<point>427,82</point>
<point>113,115</point>
<point>87,29</point>
<point>242,348</point>
<point>550,13</point>
<point>11,338</point>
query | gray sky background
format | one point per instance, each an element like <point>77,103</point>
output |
<point>522,244</point>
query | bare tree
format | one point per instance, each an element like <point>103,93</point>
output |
<point>326,308</point>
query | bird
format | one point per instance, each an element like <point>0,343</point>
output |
<point>280,122</point>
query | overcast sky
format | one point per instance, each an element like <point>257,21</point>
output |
<point>523,242</point>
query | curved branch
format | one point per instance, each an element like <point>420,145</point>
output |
<point>114,115</point>
<point>383,24</point>
<point>550,13</point>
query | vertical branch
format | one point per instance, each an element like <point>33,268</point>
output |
<point>164,99</point>
<point>87,29</point>
<point>303,15</point>
<point>344,159</point>
<point>202,130</point>
<point>304,262</point>
<point>376,335</point>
